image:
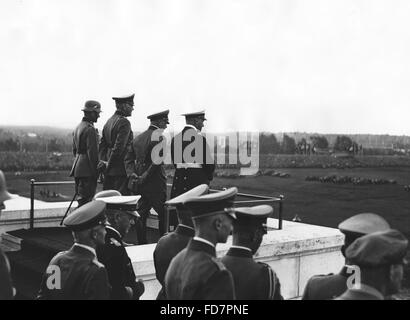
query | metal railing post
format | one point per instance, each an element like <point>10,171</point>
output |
<point>280,211</point>
<point>32,184</point>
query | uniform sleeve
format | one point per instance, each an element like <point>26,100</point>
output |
<point>92,149</point>
<point>121,143</point>
<point>274,286</point>
<point>129,160</point>
<point>74,146</point>
<point>102,148</point>
<point>220,286</point>
<point>209,163</point>
<point>6,287</point>
<point>98,286</point>
<point>119,277</point>
<point>153,167</point>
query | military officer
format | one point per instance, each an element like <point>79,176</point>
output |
<point>116,138</point>
<point>199,167</point>
<point>6,286</point>
<point>172,243</point>
<point>324,287</point>
<point>380,259</point>
<point>121,210</point>
<point>76,273</point>
<point>195,273</point>
<point>147,176</point>
<point>85,149</point>
<point>253,280</point>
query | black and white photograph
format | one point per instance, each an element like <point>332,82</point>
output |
<point>204,150</point>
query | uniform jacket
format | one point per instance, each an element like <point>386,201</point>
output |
<point>196,274</point>
<point>138,160</point>
<point>186,179</point>
<point>364,293</point>
<point>166,249</point>
<point>326,287</point>
<point>6,287</point>
<point>85,150</point>
<point>253,280</point>
<point>115,140</point>
<point>119,268</point>
<point>83,277</point>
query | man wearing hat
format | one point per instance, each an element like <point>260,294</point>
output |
<point>115,140</point>
<point>6,286</point>
<point>85,149</point>
<point>121,210</point>
<point>195,273</point>
<point>147,175</point>
<point>324,287</point>
<point>76,273</point>
<point>253,280</point>
<point>191,168</point>
<point>380,259</point>
<point>172,243</point>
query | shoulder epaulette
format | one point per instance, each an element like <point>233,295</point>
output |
<point>98,263</point>
<point>115,242</point>
<point>219,264</point>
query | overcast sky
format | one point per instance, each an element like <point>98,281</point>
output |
<point>340,66</point>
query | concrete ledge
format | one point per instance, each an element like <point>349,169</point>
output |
<point>295,253</point>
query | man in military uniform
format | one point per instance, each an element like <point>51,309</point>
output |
<point>76,273</point>
<point>172,243</point>
<point>121,210</point>
<point>6,286</point>
<point>116,138</point>
<point>85,149</point>
<point>195,273</point>
<point>147,175</point>
<point>196,167</point>
<point>253,280</point>
<point>380,259</point>
<point>324,287</point>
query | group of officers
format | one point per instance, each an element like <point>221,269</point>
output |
<point>98,266</point>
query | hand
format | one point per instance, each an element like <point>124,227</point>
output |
<point>139,289</point>
<point>102,165</point>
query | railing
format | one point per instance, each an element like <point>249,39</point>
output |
<point>33,183</point>
<point>257,200</point>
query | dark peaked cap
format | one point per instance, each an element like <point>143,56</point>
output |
<point>364,223</point>
<point>129,204</point>
<point>252,216</point>
<point>198,114</point>
<point>129,98</point>
<point>213,203</point>
<point>194,192</point>
<point>378,249</point>
<point>87,216</point>
<point>159,115</point>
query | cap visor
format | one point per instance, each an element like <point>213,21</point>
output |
<point>134,214</point>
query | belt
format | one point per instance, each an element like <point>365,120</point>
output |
<point>189,166</point>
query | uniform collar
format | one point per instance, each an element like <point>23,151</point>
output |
<point>191,126</point>
<point>88,120</point>
<point>185,230</point>
<point>366,289</point>
<point>200,244</point>
<point>109,227</point>
<point>153,126</point>
<point>91,249</point>
<point>239,251</point>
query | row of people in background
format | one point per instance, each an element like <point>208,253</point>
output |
<point>125,162</point>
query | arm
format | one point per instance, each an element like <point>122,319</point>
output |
<point>74,145</point>
<point>6,287</point>
<point>92,149</point>
<point>129,160</point>
<point>121,141</point>
<point>274,285</point>
<point>219,286</point>
<point>209,161</point>
<point>98,286</point>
